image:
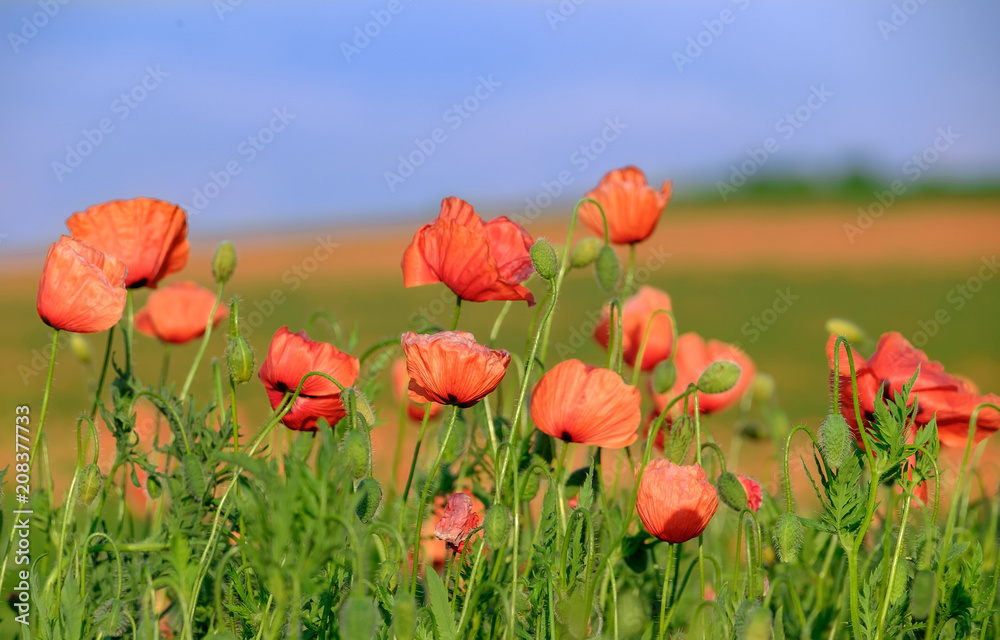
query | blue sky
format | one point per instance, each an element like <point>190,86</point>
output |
<point>265,106</point>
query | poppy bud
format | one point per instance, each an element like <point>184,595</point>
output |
<point>664,376</point>
<point>153,487</point>
<point>360,404</point>
<point>356,454</point>
<point>496,526</point>
<point>922,594</point>
<point>358,618</point>
<point>110,618</point>
<point>679,442</point>
<point>763,387</point>
<point>731,491</point>
<point>404,616</point>
<point>846,328</point>
<point>453,448</point>
<point>543,256</point>
<point>633,614</point>
<point>80,348</point>
<point>530,483</point>
<point>369,499</point>
<point>607,269</point>
<point>239,360</point>
<point>720,376</point>
<point>91,483</point>
<point>758,626</point>
<point>835,440</point>
<point>224,262</point>
<point>584,253</point>
<point>787,537</point>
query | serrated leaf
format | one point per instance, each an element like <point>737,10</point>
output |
<point>444,621</point>
<point>586,498</point>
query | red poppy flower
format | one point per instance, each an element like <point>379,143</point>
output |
<point>450,367</point>
<point>579,403</point>
<point>950,398</point>
<point>632,207</point>
<point>400,382</point>
<point>477,261</point>
<point>675,502</point>
<point>178,313</point>
<point>637,315</point>
<point>149,235</point>
<point>457,521</point>
<point>290,357</point>
<point>755,495</point>
<point>82,289</point>
<point>692,355</point>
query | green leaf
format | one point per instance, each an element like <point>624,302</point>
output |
<point>441,607</point>
<point>586,497</point>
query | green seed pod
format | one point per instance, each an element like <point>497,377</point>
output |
<point>846,328</point>
<point>758,627</point>
<point>194,476</point>
<point>369,499</point>
<point>731,491</point>
<point>584,253</point>
<point>110,618</point>
<point>778,423</point>
<point>543,256</point>
<point>922,594</point>
<point>358,618</point>
<point>361,405</point>
<point>80,348</point>
<point>356,453</point>
<point>529,485</point>
<point>455,445</point>
<point>153,487</point>
<point>224,262</point>
<point>664,376</point>
<point>720,376</point>
<point>239,360</point>
<point>926,546</point>
<point>496,526</point>
<point>404,616</point>
<point>633,614</point>
<point>607,269</point>
<point>787,537</point>
<point>763,387</point>
<point>91,483</point>
<point>835,440</point>
<point>678,441</point>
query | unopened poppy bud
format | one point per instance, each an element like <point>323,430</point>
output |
<point>153,487</point>
<point>543,256</point>
<point>846,328</point>
<point>664,376</point>
<point>194,476</point>
<point>224,262</point>
<point>759,625</point>
<point>358,618</point>
<point>763,387</point>
<point>239,360</point>
<point>110,618</point>
<point>606,268</point>
<point>80,348</point>
<point>787,537</point>
<point>356,454</point>
<point>922,594</point>
<point>633,614</point>
<point>835,440</point>
<point>404,616</point>
<point>455,445</point>
<point>679,441</point>
<point>360,404</point>
<point>529,485</point>
<point>369,499</point>
<point>584,253</point>
<point>91,483</point>
<point>720,376</point>
<point>731,491</point>
<point>496,526</point>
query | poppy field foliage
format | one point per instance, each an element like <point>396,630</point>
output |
<point>184,519</point>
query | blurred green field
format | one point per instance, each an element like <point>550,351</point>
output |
<point>718,302</point>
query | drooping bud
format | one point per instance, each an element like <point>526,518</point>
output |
<point>633,614</point>
<point>543,256</point>
<point>239,360</point>
<point>455,445</point>
<point>358,618</point>
<point>530,483</point>
<point>763,387</point>
<point>496,526</point>
<point>787,537</point>
<point>154,488</point>
<point>835,440</point>
<point>369,499</point>
<point>899,581</point>
<point>356,453</point>
<point>404,616</point>
<point>360,404</point>
<point>606,268</point>
<point>584,253</point>
<point>80,348</point>
<point>224,262</point>
<point>194,476</point>
<point>679,440</point>
<point>846,328</point>
<point>110,618</point>
<point>720,376</point>
<point>922,594</point>
<point>731,491</point>
<point>91,483</point>
<point>664,376</point>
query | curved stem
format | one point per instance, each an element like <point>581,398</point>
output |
<point>413,463</point>
<point>718,453</point>
<point>201,348</point>
<point>630,273</point>
<point>637,369</point>
<point>788,447</point>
